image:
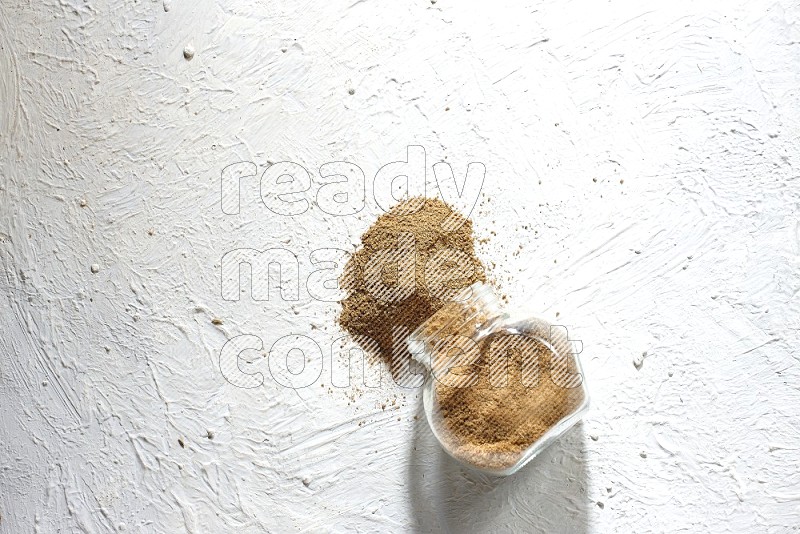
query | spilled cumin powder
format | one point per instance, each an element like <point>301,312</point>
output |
<point>489,412</point>
<point>381,325</point>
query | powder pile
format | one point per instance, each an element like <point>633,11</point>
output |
<point>380,324</point>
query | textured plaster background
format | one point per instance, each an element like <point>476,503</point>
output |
<point>641,182</point>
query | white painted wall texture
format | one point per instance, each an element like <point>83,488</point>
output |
<point>641,183</point>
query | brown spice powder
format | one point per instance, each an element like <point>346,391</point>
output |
<point>492,422</point>
<point>494,397</point>
<point>371,319</point>
<point>483,425</point>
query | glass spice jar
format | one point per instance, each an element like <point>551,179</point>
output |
<point>499,390</point>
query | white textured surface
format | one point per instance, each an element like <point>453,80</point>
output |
<point>111,149</point>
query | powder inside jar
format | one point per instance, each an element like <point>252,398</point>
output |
<point>519,381</point>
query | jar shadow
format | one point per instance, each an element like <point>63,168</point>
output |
<point>548,495</point>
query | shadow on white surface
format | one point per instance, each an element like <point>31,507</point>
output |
<point>547,495</point>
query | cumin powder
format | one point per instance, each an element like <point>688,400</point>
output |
<point>513,383</point>
<point>512,399</point>
<point>381,325</point>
